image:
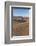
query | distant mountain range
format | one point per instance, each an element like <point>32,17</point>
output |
<point>20,18</point>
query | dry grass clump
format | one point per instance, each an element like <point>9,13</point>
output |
<point>21,29</point>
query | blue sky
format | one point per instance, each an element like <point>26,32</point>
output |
<point>20,12</point>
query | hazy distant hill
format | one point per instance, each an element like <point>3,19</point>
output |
<point>20,18</point>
